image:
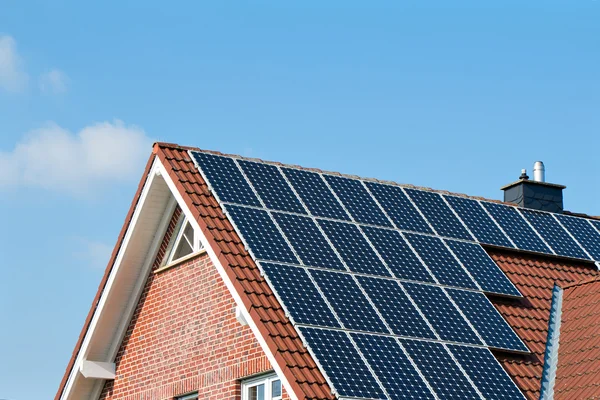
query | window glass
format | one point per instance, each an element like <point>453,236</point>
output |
<point>276,389</point>
<point>257,392</point>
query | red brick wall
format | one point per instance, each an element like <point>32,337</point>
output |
<point>184,337</point>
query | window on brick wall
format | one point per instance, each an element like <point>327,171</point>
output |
<point>266,387</point>
<point>185,241</point>
<point>189,396</point>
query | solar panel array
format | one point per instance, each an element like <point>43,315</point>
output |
<point>384,283</point>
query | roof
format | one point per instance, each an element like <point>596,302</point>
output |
<point>578,372</point>
<point>535,277</point>
<point>533,274</point>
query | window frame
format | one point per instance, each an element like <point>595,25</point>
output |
<point>267,381</point>
<point>177,237</point>
<point>188,396</point>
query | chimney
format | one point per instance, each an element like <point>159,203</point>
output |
<point>536,194</point>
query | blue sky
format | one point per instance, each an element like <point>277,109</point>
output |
<point>458,98</point>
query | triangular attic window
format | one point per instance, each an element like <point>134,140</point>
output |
<point>183,242</point>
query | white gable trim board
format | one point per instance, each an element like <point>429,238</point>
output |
<point>94,363</point>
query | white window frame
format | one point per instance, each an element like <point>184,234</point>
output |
<point>266,380</point>
<point>180,228</point>
<point>189,396</point>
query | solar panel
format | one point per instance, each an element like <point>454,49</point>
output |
<point>485,372</point>
<point>342,363</point>
<point>396,308</point>
<point>482,268</point>
<point>271,187</point>
<point>398,376</point>
<point>226,179</point>
<point>354,248</point>
<point>516,228</point>
<point>585,233</point>
<point>489,323</point>
<point>357,200</point>
<point>439,215</point>
<point>440,261</point>
<point>308,241</point>
<point>478,221</point>
<point>439,369</point>
<point>441,313</point>
<point>397,254</point>
<point>315,194</point>
<point>299,295</point>
<point>596,224</point>
<point>554,234</point>
<point>399,208</point>
<point>261,235</point>
<point>348,302</point>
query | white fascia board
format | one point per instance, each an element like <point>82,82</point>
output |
<point>228,282</point>
<point>109,283</point>
<point>97,369</point>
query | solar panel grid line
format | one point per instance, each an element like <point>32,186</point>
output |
<point>420,212</point>
<point>507,378</point>
<point>583,230</point>
<point>376,252</point>
<point>409,244</point>
<point>416,367</point>
<point>534,230</point>
<point>391,221</point>
<point>462,266</point>
<point>208,181</point>
<point>464,372</point>
<point>360,353</point>
<point>595,224</point>
<point>462,314</point>
<point>262,203</point>
<point>414,303</point>
<point>337,198</point>
<point>330,381</point>
<point>473,237</point>
<point>571,235</point>
<point>497,224</point>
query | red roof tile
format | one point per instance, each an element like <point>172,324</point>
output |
<point>534,276</point>
<point>578,373</point>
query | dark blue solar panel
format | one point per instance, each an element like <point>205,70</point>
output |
<point>357,200</point>
<point>299,295</point>
<point>398,256</point>
<point>342,363</point>
<point>271,187</point>
<point>348,302</point>
<point>441,313</point>
<point>439,215</point>
<point>440,370</point>
<point>585,233</point>
<point>489,323</point>
<point>353,247</point>
<point>226,179</point>
<point>554,234</point>
<point>478,221</point>
<point>440,261</point>
<point>482,268</point>
<point>308,241</point>
<point>596,224</point>
<point>261,235</point>
<point>313,191</point>
<point>516,227</point>
<point>396,308</point>
<point>486,373</point>
<point>398,207</point>
<point>398,376</point>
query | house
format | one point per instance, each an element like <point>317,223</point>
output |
<point>242,279</point>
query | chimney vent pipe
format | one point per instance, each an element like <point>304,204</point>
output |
<point>539,172</point>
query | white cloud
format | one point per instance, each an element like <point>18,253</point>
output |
<point>92,253</point>
<point>12,76</point>
<point>55,159</point>
<point>54,81</point>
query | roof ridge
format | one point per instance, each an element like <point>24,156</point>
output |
<point>318,170</point>
<point>581,283</point>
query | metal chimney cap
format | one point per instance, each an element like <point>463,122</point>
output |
<point>539,172</point>
<point>524,175</point>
